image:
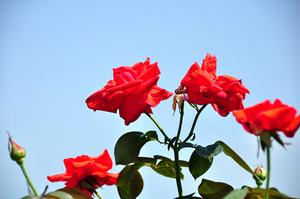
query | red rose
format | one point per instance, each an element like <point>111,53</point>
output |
<point>200,83</point>
<point>266,116</point>
<point>132,91</point>
<point>232,97</point>
<point>90,170</point>
<point>203,86</point>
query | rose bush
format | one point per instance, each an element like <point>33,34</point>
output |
<point>133,91</point>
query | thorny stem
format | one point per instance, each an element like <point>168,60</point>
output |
<point>29,182</point>
<point>194,123</point>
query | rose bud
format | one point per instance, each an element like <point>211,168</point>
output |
<point>260,172</point>
<point>259,175</point>
<point>17,153</point>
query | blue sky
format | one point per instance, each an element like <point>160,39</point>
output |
<point>54,54</point>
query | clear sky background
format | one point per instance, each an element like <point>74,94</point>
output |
<point>54,54</point>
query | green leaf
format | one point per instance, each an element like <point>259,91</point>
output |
<point>151,135</point>
<point>183,163</point>
<point>213,190</point>
<point>128,146</point>
<point>166,168</point>
<point>145,161</point>
<point>202,159</point>
<point>209,151</point>
<point>237,194</point>
<point>232,154</point>
<point>162,157</point>
<point>130,183</point>
<point>198,165</point>
<point>258,193</point>
<point>67,193</point>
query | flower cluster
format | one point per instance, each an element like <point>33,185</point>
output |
<point>133,91</point>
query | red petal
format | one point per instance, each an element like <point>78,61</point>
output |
<point>103,161</point>
<point>194,67</point>
<point>58,178</point>
<point>209,64</point>
<point>152,71</point>
<point>105,178</point>
<point>123,74</point>
<point>252,111</point>
<point>101,101</point>
<point>156,95</point>
<point>292,127</point>
<point>241,118</point>
<point>134,105</point>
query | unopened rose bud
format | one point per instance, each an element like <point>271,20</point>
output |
<point>17,153</point>
<point>261,173</point>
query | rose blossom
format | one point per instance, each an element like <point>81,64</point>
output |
<point>232,97</point>
<point>90,170</point>
<point>267,116</point>
<point>203,86</point>
<point>132,91</point>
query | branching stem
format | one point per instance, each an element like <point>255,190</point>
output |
<point>194,123</point>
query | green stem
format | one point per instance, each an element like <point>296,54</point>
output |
<point>180,124</point>
<point>158,126</point>
<point>29,182</point>
<point>194,106</point>
<point>194,123</point>
<point>177,171</point>
<point>176,153</point>
<point>268,170</point>
<point>98,195</point>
